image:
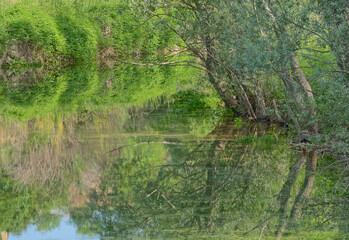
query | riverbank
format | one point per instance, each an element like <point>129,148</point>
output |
<point>36,33</point>
<point>264,77</point>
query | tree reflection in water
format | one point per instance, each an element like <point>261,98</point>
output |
<point>236,182</point>
<point>227,185</point>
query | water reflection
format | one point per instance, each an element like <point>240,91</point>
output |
<point>72,159</point>
<point>33,93</point>
<point>65,230</point>
<point>124,174</point>
<point>224,185</point>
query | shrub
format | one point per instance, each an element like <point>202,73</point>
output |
<point>81,39</point>
<point>31,25</point>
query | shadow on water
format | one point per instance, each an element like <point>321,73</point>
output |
<point>125,173</point>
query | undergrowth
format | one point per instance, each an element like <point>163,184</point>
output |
<point>65,31</point>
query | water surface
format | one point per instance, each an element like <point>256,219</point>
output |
<point>102,170</point>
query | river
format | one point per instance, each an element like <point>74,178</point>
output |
<point>86,154</point>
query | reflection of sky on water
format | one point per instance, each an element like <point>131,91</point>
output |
<point>65,231</point>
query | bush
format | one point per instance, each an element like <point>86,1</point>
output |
<point>31,25</point>
<point>81,39</point>
<point>59,33</point>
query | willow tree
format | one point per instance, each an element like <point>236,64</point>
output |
<point>205,30</point>
<point>240,45</point>
<point>264,53</point>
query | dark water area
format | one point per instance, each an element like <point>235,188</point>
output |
<point>85,167</point>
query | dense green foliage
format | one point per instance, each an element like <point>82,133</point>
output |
<point>96,139</point>
<point>267,57</point>
<point>25,24</point>
<point>72,31</point>
<point>259,56</point>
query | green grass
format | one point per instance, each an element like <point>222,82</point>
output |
<point>79,31</point>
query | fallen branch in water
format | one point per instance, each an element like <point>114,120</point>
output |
<point>142,143</point>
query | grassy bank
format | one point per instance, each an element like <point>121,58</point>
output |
<point>64,31</point>
<point>84,34</point>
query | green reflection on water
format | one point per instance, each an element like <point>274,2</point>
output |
<point>38,93</point>
<point>151,176</point>
<point>77,141</point>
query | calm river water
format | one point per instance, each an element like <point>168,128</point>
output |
<point>155,173</point>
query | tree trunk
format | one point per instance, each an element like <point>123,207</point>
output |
<point>292,96</point>
<point>244,100</point>
<point>278,117</point>
<point>305,190</point>
<point>219,85</point>
<point>260,105</point>
<point>291,92</point>
<point>306,88</point>
<point>285,193</point>
<point>246,103</point>
<point>303,193</point>
<point>298,74</point>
